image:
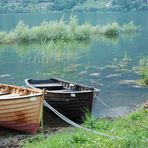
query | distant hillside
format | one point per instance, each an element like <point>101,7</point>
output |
<point>27,6</point>
<point>93,5</point>
<point>112,5</point>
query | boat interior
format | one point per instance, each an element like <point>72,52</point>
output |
<point>12,91</point>
<point>55,84</point>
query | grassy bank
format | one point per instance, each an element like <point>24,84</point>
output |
<point>60,30</point>
<point>133,135</point>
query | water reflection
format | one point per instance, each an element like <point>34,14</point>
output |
<point>47,53</point>
<point>130,36</point>
<point>41,60</point>
<point>64,51</point>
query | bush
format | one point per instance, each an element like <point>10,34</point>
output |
<point>111,29</point>
<point>2,35</point>
<point>22,32</point>
<point>130,27</point>
<point>83,32</point>
<point>59,30</point>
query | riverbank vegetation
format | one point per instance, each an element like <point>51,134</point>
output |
<point>143,71</point>
<point>125,134</point>
<point>60,30</point>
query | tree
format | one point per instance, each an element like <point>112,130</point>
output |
<point>127,4</point>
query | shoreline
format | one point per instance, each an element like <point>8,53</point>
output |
<point>52,125</point>
<point>13,138</point>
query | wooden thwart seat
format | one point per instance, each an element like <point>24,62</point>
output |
<point>66,90</point>
<point>49,86</point>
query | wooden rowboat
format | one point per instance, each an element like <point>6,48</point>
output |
<point>20,108</point>
<point>69,98</point>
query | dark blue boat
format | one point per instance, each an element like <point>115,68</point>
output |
<point>69,98</point>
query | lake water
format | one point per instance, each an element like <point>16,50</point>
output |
<point>93,63</point>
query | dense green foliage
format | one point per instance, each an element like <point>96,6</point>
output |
<point>59,30</point>
<point>133,136</point>
<point>127,4</point>
<point>65,4</point>
<point>26,6</point>
<point>112,5</point>
<point>37,5</point>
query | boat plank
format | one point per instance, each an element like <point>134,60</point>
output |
<point>27,112</point>
<point>17,101</point>
<point>12,105</point>
<point>19,109</point>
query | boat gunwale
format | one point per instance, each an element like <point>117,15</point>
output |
<point>95,90</point>
<point>20,97</point>
<point>36,93</point>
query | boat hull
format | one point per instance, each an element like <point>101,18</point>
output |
<point>72,105</point>
<point>21,113</point>
<point>71,99</point>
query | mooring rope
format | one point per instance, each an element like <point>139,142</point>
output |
<point>132,122</point>
<point>79,126</point>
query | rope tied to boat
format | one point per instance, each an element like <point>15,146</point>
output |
<point>79,126</point>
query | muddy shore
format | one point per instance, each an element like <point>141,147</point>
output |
<point>14,139</point>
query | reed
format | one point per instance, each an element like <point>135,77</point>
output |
<point>110,29</point>
<point>63,31</point>
<point>143,70</point>
<point>130,28</point>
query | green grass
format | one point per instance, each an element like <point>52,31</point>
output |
<point>134,137</point>
<point>62,31</point>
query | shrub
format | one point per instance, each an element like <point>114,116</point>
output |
<point>111,29</point>
<point>2,35</point>
<point>22,32</point>
<point>130,27</point>
<point>83,32</point>
<point>59,30</point>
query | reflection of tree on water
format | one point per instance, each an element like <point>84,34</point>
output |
<point>46,60</point>
<point>114,40</point>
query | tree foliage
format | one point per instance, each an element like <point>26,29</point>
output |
<point>20,6</point>
<point>128,4</point>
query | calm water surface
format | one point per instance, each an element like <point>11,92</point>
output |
<point>89,63</point>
